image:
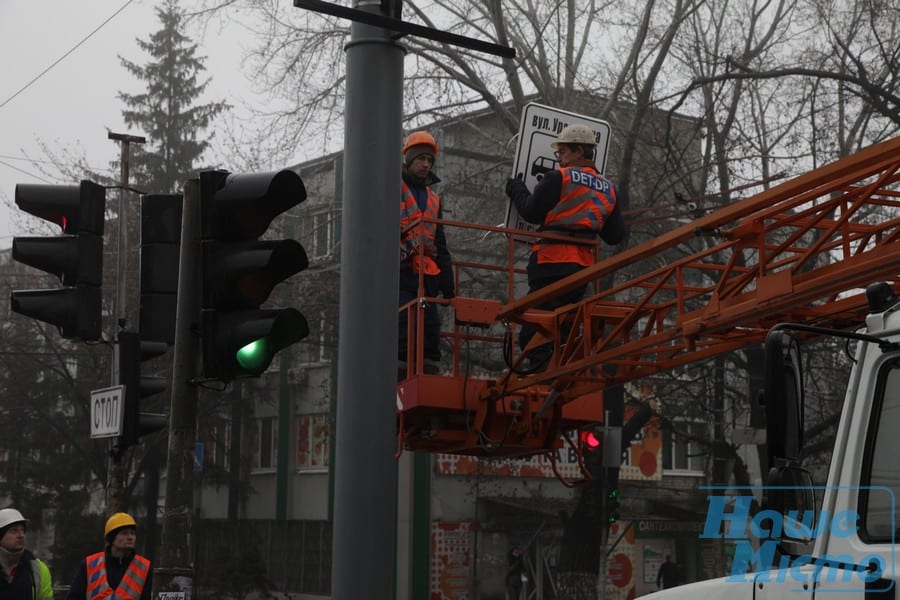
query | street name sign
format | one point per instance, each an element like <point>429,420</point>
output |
<point>538,128</point>
<point>107,412</point>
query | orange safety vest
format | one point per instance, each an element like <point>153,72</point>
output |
<point>585,202</point>
<point>425,234</point>
<point>129,588</point>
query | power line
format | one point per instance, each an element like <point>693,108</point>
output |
<point>70,51</point>
<point>15,168</point>
<point>56,164</point>
<point>26,159</point>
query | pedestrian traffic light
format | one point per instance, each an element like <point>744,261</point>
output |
<point>239,271</point>
<point>76,257</point>
<point>132,352</point>
<point>612,506</point>
<point>592,439</point>
<point>592,453</point>
<point>160,251</point>
<point>612,495</point>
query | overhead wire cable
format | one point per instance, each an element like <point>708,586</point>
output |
<point>70,51</point>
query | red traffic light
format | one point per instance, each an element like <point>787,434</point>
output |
<point>592,439</point>
<point>75,208</point>
<point>76,257</point>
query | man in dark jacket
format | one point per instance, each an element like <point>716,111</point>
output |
<point>668,574</point>
<point>573,200</point>
<point>514,573</point>
<point>22,576</point>
<point>422,249</point>
<point>118,567</point>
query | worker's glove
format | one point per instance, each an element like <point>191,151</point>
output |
<point>447,285</point>
<point>516,185</point>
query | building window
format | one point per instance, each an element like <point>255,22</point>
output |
<point>682,450</point>
<point>72,366</point>
<point>312,442</point>
<point>327,343</point>
<point>218,444</point>
<point>265,452</point>
<point>318,234</point>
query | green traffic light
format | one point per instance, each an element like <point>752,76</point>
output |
<point>255,356</point>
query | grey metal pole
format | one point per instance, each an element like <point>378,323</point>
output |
<point>365,489</point>
<point>175,548</point>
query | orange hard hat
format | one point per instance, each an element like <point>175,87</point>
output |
<point>420,138</point>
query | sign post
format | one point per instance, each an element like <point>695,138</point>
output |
<point>538,128</point>
<point>106,412</point>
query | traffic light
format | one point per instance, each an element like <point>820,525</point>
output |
<point>592,453</point>
<point>160,251</point>
<point>592,439</point>
<point>239,271</point>
<point>132,352</point>
<point>76,257</point>
<point>612,506</point>
<point>612,495</point>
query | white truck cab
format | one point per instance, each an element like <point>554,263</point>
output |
<point>846,548</point>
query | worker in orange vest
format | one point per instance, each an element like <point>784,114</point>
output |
<point>117,571</point>
<point>422,251</point>
<point>572,200</point>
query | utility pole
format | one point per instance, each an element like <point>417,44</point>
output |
<point>365,489</point>
<point>115,488</point>
<point>175,555</point>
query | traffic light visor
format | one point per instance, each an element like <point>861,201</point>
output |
<point>75,310</point>
<point>287,327</point>
<point>243,343</point>
<point>240,206</point>
<point>75,208</point>
<point>243,275</point>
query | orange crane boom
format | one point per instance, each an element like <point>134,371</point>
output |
<point>800,252</point>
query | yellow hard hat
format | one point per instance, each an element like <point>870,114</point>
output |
<point>118,520</point>
<point>420,138</point>
<point>575,134</point>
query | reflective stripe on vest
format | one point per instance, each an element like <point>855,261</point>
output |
<point>424,233</point>
<point>131,586</point>
<point>585,202</point>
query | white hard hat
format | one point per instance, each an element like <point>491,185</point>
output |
<point>575,134</point>
<point>9,516</point>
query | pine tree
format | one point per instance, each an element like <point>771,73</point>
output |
<point>165,111</point>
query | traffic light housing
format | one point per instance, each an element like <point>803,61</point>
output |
<point>76,257</point>
<point>612,505</point>
<point>592,453</point>
<point>239,271</point>
<point>160,252</point>
<point>613,512</point>
<point>135,423</point>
